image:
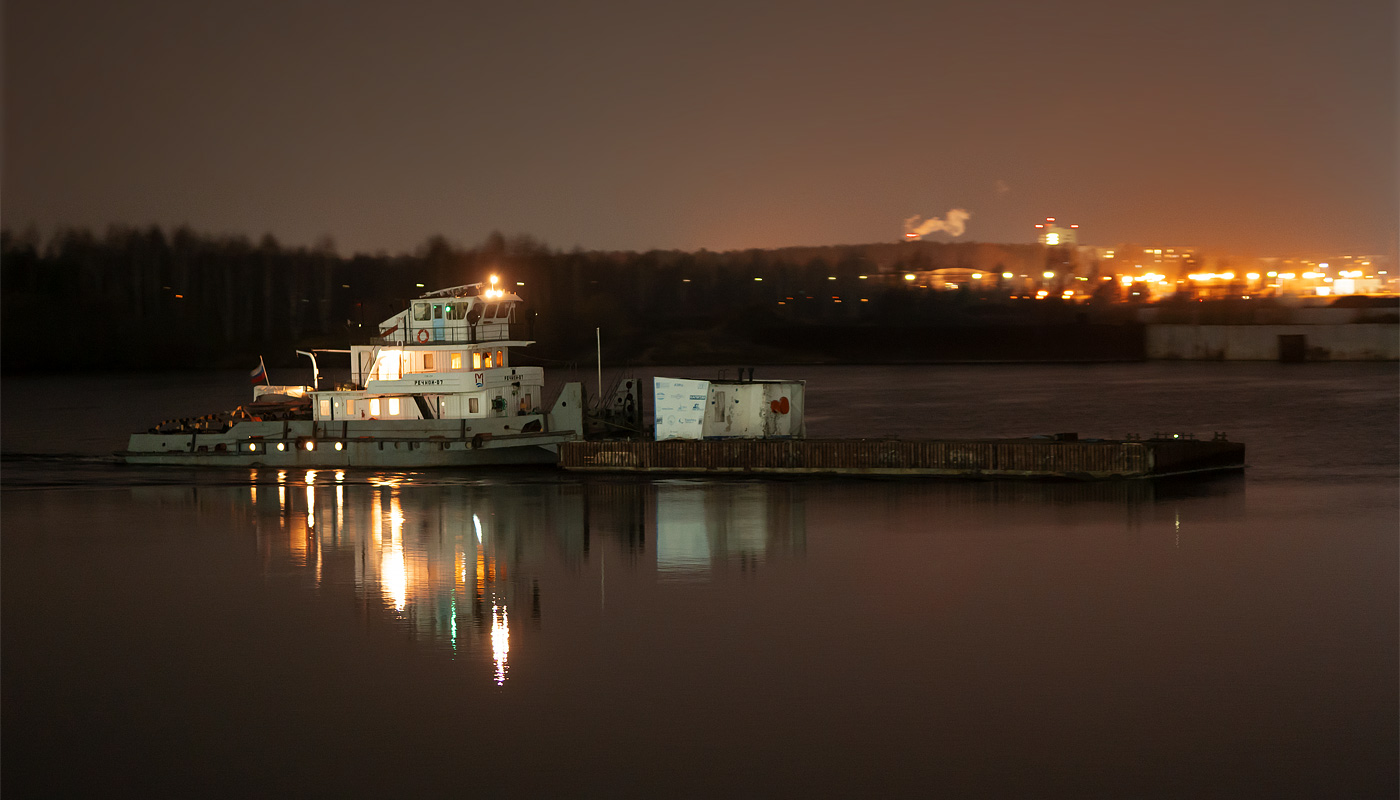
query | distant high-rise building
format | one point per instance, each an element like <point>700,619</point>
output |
<point>1052,235</point>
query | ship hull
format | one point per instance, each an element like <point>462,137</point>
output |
<point>303,444</point>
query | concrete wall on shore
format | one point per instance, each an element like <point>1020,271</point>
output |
<point>1345,342</point>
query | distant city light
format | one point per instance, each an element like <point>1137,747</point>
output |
<point>1005,274</point>
<point>909,276</point>
<point>1049,274</point>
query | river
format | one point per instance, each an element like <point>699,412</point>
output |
<point>533,633</point>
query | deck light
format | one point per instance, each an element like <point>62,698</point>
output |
<point>310,445</point>
<point>339,446</point>
<point>281,446</point>
<point>252,447</point>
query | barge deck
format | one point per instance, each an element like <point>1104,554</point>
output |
<point>1061,457</point>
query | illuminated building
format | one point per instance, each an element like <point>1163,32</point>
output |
<point>1052,235</point>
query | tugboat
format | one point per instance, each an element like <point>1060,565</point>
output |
<point>435,388</point>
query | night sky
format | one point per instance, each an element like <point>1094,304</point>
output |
<point>1253,127</point>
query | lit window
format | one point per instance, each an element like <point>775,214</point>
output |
<point>488,361</point>
<point>456,360</point>
<point>374,407</point>
<point>500,358</point>
<point>350,406</point>
<point>393,406</point>
<point>325,407</point>
<point>390,365</point>
<point>476,361</point>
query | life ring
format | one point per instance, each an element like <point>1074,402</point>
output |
<point>423,335</point>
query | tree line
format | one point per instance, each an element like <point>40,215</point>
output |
<point>145,297</point>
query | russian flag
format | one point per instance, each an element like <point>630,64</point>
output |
<point>258,375</point>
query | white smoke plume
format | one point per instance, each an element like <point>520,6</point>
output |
<point>954,225</point>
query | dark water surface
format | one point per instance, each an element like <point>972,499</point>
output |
<point>536,634</point>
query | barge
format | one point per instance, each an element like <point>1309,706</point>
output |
<point>1062,458</point>
<point>748,427</point>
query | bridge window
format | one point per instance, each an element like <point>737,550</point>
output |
<point>476,361</point>
<point>456,361</point>
<point>457,311</point>
<point>437,311</point>
<point>488,361</point>
<point>420,310</point>
<point>500,358</point>
<point>490,312</point>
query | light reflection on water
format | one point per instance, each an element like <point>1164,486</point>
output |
<point>451,563</point>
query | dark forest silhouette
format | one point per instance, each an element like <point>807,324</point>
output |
<point>147,298</point>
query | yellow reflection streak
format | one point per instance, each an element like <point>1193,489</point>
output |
<point>310,504</point>
<point>393,567</point>
<point>500,640</point>
<point>282,494</point>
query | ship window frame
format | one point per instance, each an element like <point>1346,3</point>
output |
<point>490,311</point>
<point>437,310</point>
<point>428,361</point>
<point>476,359</point>
<point>500,358</point>
<point>455,359</point>
<point>487,361</point>
<point>324,407</point>
<point>421,312</point>
<point>473,405</point>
